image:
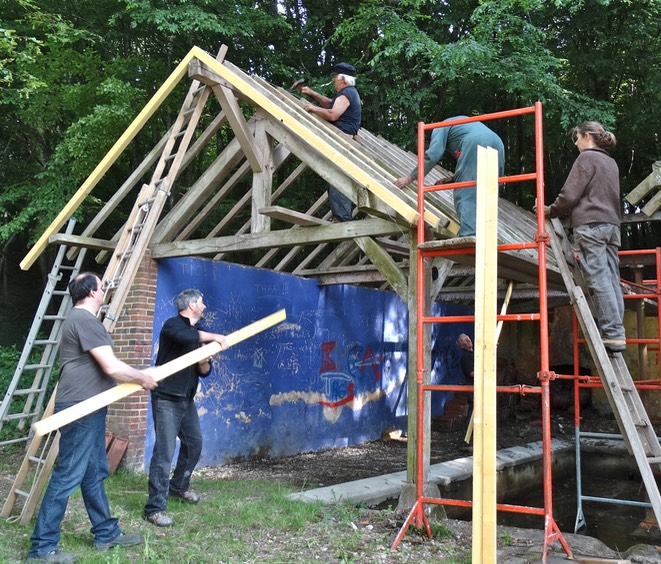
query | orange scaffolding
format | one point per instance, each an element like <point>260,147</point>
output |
<point>642,290</point>
<point>417,514</point>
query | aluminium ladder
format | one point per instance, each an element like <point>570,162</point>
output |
<point>24,398</point>
<point>118,279</point>
<point>632,419</point>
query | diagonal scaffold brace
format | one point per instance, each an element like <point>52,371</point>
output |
<point>66,416</point>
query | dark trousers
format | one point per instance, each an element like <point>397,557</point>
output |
<point>172,419</point>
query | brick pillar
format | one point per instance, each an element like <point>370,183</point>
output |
<point>132,335</point>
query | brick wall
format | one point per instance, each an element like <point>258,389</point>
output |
<point>133,336</point>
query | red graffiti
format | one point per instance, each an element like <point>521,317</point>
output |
<point>369,359</point>
<point>327,363</point>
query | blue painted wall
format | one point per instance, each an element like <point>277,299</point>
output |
<point>333,374</point>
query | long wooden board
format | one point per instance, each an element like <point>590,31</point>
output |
<point>66,416</point>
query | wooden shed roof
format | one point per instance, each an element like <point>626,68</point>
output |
<point>273,148</point>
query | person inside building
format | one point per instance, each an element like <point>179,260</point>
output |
<point>344,112</point>
<point>461,141</point>
<point>590,198</point>
<point>88,366</point>
<point>467,358</point>
<point>173,409</point>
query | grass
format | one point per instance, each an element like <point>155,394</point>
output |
<point>237,521</point>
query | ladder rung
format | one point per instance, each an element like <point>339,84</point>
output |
<point>189,111</point>
<point>36,366</point>
<point>60,292</point>
<point>170,157</point>
<point>65,267</point>
<point>36,459</point>
<point>180,134</point>
<point>26,391</point>
<point>21,493</point>
<point>654,459</point>
<point>46,342</point>
<point>147,202</point>
<point>18,416</point>
<point>52,317</point>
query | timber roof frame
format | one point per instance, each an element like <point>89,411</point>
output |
<point>374,250</point>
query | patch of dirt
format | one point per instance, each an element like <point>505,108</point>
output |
<point>387,455</point>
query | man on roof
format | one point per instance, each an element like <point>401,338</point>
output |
<point>461,141</point>
<point>344,112</point>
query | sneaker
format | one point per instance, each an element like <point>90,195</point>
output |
<point>121,539</point>
<point>54,556</point>
<point>160,519</point>
<point>189,496</point>
<point>615,345</point>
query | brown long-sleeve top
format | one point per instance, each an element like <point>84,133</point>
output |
<point>591,193</point>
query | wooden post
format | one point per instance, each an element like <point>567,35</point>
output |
<point>486,276</point>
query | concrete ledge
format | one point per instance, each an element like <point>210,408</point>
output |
<point>372,491</point>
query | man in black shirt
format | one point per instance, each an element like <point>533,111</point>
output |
<point>174,411</point>
<point>345,113</point>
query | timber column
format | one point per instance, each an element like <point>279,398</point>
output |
<point>132,335</point>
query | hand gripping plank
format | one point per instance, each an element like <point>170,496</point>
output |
<point>70,414</point>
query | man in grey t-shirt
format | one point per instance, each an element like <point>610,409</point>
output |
<point>88,366</point>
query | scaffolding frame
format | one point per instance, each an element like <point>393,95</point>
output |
<point>649,289</point>
<point>417,515</point>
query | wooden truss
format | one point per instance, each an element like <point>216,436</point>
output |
<point>275,141</point>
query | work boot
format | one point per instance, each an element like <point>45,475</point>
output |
<point>121,539</point>
<point>189,496</point>
<point>160,519</point>
<point>54,556</point>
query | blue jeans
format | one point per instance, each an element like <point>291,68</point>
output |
<point>82,462</point>
<point>172,419</point>
<point>597,244</point>
<point>341,206</point>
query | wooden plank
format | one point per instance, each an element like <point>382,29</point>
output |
<point>285,238</point>
<point>292,216</point>
<point>484,450</point>
<point>235,117</point>
<point>107,161</point>
<point>80,241</point>
<point>650,183</point>
<point>499,328</point>
<point>653,205</point>
<point>262,182</point>
<point>66,416</point>
<point>385,264</point>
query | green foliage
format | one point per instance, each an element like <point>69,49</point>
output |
<point>73,75</point>
<point>8,359</point>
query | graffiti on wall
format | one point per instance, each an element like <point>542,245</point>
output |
<point>333,374</point>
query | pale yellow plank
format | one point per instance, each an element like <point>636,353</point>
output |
<point>103,399</point>
<point>499,328</point>
<point>484,449</point>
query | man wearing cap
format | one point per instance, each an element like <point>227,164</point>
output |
<point>344,112</point>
